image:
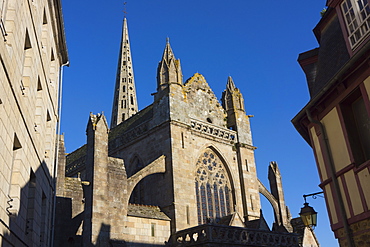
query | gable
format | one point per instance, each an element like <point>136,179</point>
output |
<point>202,103</point>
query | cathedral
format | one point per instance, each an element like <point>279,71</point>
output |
<point>181,171</point>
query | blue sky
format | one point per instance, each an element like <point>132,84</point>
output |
<point>257,44</point>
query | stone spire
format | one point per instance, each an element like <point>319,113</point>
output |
<point>233,103</point>
<point>124,102</point>
<point>169,69</point>
<point>232,99</point>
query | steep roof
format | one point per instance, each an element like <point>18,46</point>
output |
<point>146,211</point>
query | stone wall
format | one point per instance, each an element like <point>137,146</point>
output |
<point>32,49</point>
<point>146,231</point>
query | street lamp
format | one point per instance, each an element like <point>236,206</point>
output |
<point>308,214</point>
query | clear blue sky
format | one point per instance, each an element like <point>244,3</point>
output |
<point>257,44</point>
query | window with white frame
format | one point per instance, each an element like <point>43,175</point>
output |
<point>357,18</point>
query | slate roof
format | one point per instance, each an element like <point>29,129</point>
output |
<point>146,211</point>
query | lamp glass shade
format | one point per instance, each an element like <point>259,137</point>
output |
<point>308,215</point>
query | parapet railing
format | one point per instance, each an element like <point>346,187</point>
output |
<point>219,235</point>
<point>212,130</point>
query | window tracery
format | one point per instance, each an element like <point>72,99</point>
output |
<point>212,186</point>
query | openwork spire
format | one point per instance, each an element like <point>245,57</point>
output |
<point>124,102</point>
<point>169,69</point>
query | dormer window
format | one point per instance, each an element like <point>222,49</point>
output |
<point>357,18</point>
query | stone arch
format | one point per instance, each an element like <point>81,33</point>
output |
<point>272,200</point>
<point>157,166</point>
<point>214,190</point>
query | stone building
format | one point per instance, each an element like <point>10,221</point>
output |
<point>180,170</point>
<point>32,52</point>
<point>336,120</point>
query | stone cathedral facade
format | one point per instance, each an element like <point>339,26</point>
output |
<point>157,175</point>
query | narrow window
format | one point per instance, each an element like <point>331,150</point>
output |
<point>39,87</point>
<point>132,99</point>
<point>203,203</point>
<point>182,140</point>
<point>198,203</point>
<point>246,165</point>
<point>227,200</point>
<point>27,64</point>
<point>222,201</point>
<point>152,229</point>
<point>210,201</point>
<point>357,123</point>
<point>52,57</point>
<point>52,67</point>
<point>123,117</point>
<point>48,117</point>
<point>124,87</point>
<point>187,215</point>
<point>44,34</point>
<point>31,200</point>
<point>48,137</point>
<point>44,19</point>
<point>44,225</point>
<point>16,144</point>
<point>217,206</point>
<point>39,107</point>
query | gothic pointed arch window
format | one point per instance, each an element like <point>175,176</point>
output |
<point>213,187</point>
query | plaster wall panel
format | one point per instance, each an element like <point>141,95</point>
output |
<point>345,200</point>
<point>318,152</point>
<point>364,178</point>
<point>337,143</point>
<point>367,86</point>
<point>330,203</point>
<point>354,194</point>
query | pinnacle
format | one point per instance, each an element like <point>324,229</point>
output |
<point>168,53</point>
<point>230,84</point>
